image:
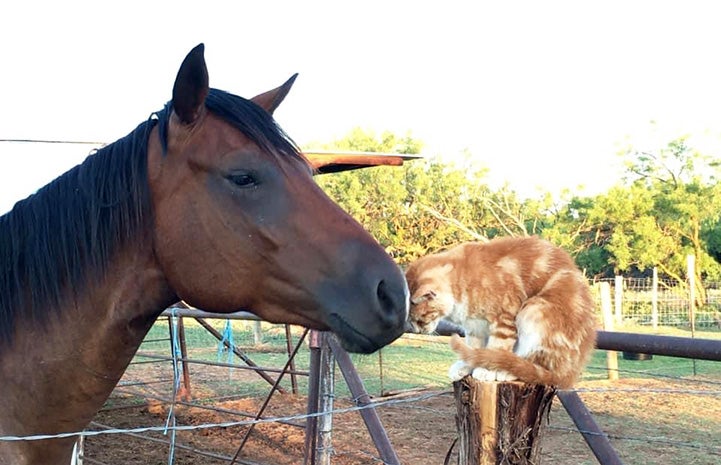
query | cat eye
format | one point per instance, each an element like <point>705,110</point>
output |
<point>429,295</point>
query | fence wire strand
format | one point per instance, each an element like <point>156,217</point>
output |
<point>229,424</point>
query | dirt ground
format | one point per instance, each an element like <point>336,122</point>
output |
<point>650,421</point>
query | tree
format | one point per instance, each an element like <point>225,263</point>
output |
<point>582,228</point>
<point>427,205</point>
<point>681,184</point>
<point>412,210</point>
<point>666,208</point>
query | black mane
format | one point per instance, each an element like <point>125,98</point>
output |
<point>59,240</point>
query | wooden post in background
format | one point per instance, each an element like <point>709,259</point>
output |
<point>500,422</point>
<point>691,273</point>
<point>611,355</point>
<point>654,299</point>
<point>257,333</point>
<point>618,298</point>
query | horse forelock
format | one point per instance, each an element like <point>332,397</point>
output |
<point>59,240</point>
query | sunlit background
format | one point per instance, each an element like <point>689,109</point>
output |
<point>544,94</point>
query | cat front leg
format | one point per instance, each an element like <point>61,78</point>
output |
<point>461,369</point>
<point>502,335</point>
<point>476,341</point>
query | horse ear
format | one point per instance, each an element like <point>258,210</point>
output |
<point>271,99</point>
<point>191,86</point>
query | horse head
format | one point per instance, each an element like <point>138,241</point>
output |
<point>240,223</point>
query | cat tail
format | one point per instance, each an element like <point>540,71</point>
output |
<point>504,360</point>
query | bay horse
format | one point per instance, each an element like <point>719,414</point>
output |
<point>209,202</point>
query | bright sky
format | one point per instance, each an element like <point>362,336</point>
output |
<point>543,93</point>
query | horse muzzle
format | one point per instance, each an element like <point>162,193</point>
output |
<point>370,310</point>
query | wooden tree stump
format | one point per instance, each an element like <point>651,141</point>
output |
<point>500,422</point>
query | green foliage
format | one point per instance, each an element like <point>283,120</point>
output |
<point>425,205</point>
<point>666,208</point>
<point>711,235</point>
<point>681,184</point>
<point>392,204</point>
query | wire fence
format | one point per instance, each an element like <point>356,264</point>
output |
<point>645,413</point>
<point>640,301</point>
<point>663,410</point>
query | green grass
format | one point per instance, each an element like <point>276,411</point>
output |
<point>657,367</point>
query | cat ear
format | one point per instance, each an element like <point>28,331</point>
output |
<point>422,294</point>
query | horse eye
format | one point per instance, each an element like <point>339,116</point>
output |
<point>242,180</point>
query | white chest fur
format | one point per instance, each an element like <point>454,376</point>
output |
<point>477,330</point>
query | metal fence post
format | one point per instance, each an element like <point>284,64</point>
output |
<point>324,448</point>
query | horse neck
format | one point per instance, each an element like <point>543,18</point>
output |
<point>61,375</point>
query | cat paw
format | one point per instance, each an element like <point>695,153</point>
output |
<point>482,374</point>
<point>459,370</point>
<point>504,376</point>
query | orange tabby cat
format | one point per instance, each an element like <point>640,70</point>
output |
<point>526,308</point>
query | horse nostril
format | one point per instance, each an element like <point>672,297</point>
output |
<point>383,297</point>
<point>391,308</point>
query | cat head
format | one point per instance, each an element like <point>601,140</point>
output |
<point>431,298</point>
